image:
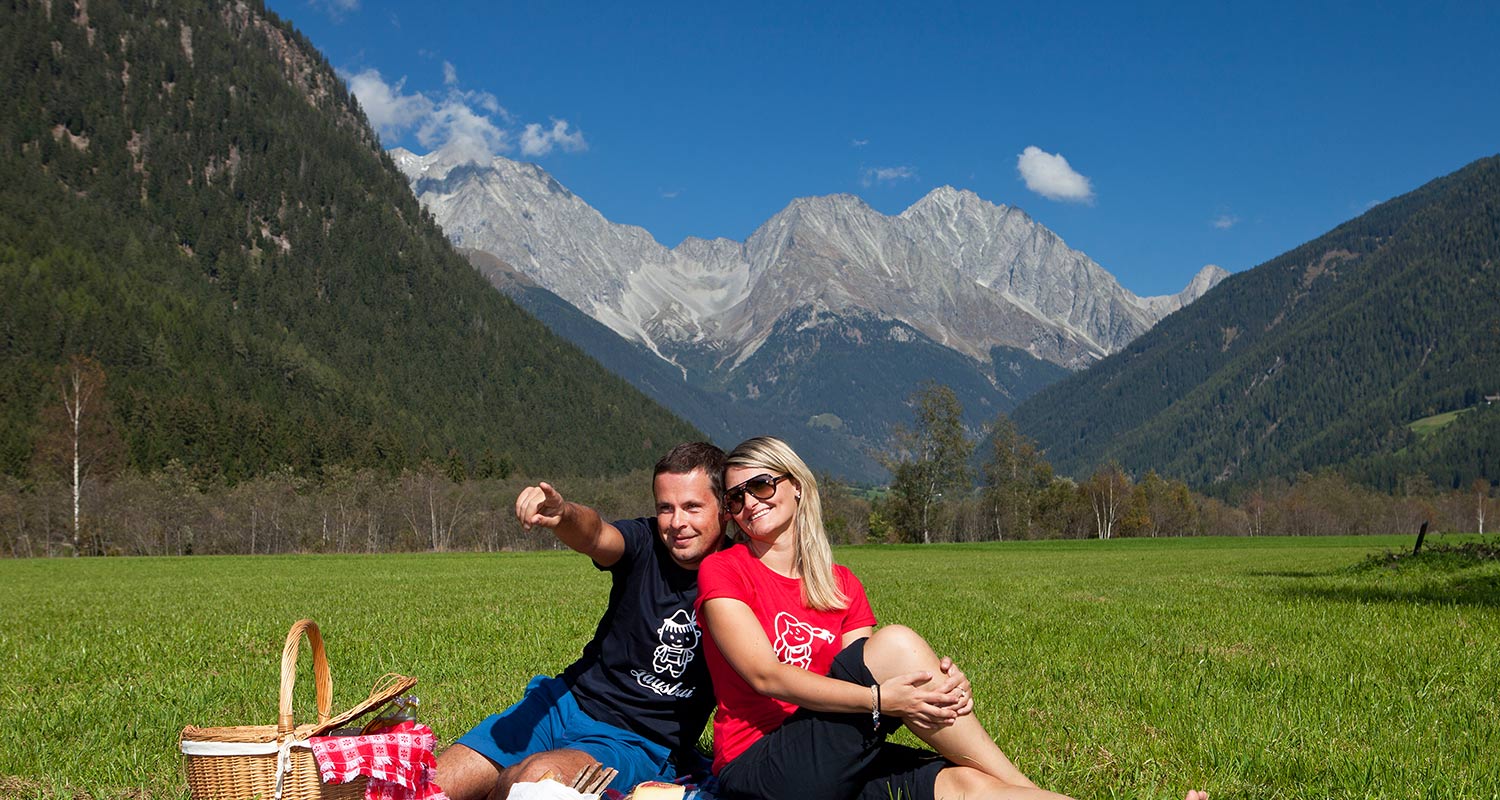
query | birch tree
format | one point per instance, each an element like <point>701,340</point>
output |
<point>933,461</point>
<point>76,438</point>
<point>435,506</point>
<point>1481,490</point>
<point>1108,490</point>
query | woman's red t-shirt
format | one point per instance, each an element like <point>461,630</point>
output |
<point>801,636</point>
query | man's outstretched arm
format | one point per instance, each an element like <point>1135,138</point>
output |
<point>577,526</point>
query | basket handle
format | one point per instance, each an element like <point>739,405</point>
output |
<point>321,678</point>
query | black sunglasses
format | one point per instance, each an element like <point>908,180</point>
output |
<point>762,486</point>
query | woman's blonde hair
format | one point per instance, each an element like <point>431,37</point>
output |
<point>812,558</point>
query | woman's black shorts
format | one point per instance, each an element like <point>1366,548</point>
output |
<point>825,756</point>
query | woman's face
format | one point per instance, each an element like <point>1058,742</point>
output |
<point>763,519</point>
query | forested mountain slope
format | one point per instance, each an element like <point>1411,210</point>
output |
<point>1320,357</point>
<point>189,193</point>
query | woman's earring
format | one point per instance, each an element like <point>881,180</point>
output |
<point>799,497</point>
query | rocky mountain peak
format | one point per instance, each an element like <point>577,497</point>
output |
<point>821,208</point>
<point>1207,278</point>
<point>950,199</point>
<point>970,274</point>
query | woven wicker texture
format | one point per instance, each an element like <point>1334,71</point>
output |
<point>253,777</point>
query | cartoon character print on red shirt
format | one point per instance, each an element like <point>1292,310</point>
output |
<point>794,640</point>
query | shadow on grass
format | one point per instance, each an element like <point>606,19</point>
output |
<point>1458,593</point>
<point>1482,592</point>
<point>1441,575</point>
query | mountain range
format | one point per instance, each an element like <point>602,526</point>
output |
<point>193,198</point>
<point>1321,357</point>
<point>821,323</point>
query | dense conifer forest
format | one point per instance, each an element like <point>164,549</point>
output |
<point>190,197</point>
<point>1321,357</point>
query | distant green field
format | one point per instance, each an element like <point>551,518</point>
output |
<point>1427,426</point>
<point>1256,668</point>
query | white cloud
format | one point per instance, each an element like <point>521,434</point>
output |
<point>336,8</point>
<point>539,141</point>
<point>459,129</point>
<point>469,123</point>
<point>860,142</point>
<point>873,175</point>
<point>390,111</point>
<point>1226,221</point>
<point>488,102</point>
<point>670,194</point>
<point>1051,177</point>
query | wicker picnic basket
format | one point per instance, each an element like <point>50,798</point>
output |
<point>275,762</point>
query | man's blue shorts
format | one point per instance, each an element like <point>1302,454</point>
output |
<point>547,717</point>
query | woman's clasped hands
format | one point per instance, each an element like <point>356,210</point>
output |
<point>911,698</point>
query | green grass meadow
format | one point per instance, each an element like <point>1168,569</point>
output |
<point>1264,668</point>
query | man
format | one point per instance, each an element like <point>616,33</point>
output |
<point>638,697</point>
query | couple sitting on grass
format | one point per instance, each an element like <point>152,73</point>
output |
<point>807,689</point>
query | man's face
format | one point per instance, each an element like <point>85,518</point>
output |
<point>688,516</point>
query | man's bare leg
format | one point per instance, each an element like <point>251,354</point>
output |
<point>563,764</point>
<point>464,774</point>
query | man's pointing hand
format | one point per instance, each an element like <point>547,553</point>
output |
<point>540,505</point>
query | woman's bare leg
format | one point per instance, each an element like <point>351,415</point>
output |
<point>897,650</point>
<point>984,772</point>
<point>967,783</point>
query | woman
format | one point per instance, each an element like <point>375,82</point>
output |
<point>807,689</point>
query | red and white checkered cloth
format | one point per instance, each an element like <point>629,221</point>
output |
<point>398,762</point>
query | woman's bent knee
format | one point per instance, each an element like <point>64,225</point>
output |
<point>897,649</point>
<point>899,639</point>
<point>967,782</point>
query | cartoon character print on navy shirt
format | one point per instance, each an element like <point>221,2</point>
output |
<point>679,641</point>
<point>794,639</point>
<point>679,636</point>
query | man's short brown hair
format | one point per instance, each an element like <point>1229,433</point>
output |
<point>686,457</point>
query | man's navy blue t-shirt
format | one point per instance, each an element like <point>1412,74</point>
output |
<point>643,670</point>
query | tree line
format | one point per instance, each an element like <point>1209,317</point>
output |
<point>82,499</point>
<point>950,485</point>
<point>167,513</point>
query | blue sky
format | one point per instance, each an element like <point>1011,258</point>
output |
<point>1155,138</point>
